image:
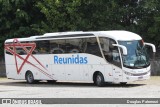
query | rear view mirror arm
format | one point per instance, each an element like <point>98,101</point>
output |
<point>152,45</point>
<point>123,48</point>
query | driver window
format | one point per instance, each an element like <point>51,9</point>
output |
<point>110,52</point>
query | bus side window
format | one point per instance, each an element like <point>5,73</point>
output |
<point>42,47</point>
<point>54,47</point>
<point>61,46</point>
<point>7,52</point>
<point>20,51</point>
<point>74,45</point>
<point>93,47</point>
<point>57,46</point>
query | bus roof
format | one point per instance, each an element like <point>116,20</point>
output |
<point>121,35</point>
<point>114,34</point>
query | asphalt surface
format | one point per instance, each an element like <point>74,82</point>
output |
<point>20,89</point>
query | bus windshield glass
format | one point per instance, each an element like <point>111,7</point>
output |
<point>137,56</point>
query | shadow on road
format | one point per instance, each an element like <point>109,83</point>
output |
<point>66,84</point>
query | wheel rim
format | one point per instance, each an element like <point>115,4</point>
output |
<point>98,79</point>
<point>30,77</point>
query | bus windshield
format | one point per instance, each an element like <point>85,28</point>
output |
<point>137,56</point>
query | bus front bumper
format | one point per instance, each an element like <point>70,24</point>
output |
<point>127,78</point>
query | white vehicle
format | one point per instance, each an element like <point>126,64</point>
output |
<point>100,56</point>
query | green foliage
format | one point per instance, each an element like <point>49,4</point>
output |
<point>21,18</point>
<point>17,18</point>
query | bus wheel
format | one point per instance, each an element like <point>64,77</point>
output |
<point>51,81</point>
<point>30,77</point>
<point>99,80</point>
<point>123,83</point>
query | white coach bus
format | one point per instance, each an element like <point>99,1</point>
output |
<point>99,56</point>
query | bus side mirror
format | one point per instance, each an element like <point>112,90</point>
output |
<point>152,45</point>
<point>122,47</point>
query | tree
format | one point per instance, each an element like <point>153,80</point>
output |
<point>150,22</point>
<point>18,19</point>
<point>21,18</point>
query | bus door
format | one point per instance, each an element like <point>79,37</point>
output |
<point>112,56</point>
<point>116,64</point>
<point>117,74</point>
<point>109,73</point>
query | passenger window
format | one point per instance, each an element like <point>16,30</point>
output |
<point>93,47</point>
<point>67,46</point>
<point>7,52</point>
<point>54,47</point>
<point>75,45</point>
<point>20,51</point>
<point>42,47</point>
<point>57,46</point>
<point>61,46</point>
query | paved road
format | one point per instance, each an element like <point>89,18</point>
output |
<point>20,89</point>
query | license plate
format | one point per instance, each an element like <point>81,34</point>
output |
<point>140,78</point>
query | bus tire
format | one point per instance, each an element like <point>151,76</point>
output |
<point>30,77</point>
<point>99,80</point>
<point>123,83</point>
<point>51,81</point>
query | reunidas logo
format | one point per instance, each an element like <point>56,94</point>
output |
<point>74,59</point>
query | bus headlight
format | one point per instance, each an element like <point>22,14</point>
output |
<point>128,73</point>
<point>137,74</point>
